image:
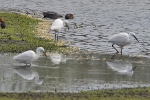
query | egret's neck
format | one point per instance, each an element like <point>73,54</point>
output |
<point>37,80</point>
<point>37,54</point>
<point>65,23</point>
<point>130,37</point>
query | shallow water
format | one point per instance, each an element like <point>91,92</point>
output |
<point>94,22</point>
<point>73,73</point>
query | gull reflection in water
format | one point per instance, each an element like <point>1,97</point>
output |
<point>57,58</point>
<point>27,73</point>
<point>121,67</point>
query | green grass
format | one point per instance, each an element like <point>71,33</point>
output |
<point>21,34</point>
<point>118,94</point>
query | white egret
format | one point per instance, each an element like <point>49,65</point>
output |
<point>29,56</point>
<point>27,73</point>
<point>122,39</point>
<point>57,25</point>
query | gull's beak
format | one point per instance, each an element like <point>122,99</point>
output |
<point>135,38</point>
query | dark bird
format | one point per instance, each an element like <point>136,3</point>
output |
<point>69,16</point>
<point>2,23</point>
<point>51,14</point>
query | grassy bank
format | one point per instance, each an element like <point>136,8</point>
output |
<point>23,33</point>
<point>121,94</point>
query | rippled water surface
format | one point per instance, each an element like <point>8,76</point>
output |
<point>73,73</point>
<point>94,22</point>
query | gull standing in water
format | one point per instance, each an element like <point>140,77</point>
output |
<point>122,39</point>
<point>29,56</point>
<point>57,25</point>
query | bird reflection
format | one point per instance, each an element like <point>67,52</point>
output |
<point>57,58</point>
<point>27,73</point>
<point>121,67</point>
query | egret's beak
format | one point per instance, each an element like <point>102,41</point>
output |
<point>45,54</point>
<point>135,38</point>
<point>134,68</point>
<point>43,77</point>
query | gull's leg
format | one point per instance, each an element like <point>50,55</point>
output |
<point>115,49</point>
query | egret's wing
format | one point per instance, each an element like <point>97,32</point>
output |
<point>118,38</point>
<point>57,22</point>
<point>55,28</point>
<point>25,56</point>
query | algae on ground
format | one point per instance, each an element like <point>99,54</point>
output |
<point>22,33</point>
<point>118,94</point>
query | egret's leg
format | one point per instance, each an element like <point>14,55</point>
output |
<point>55,36</point>
<point>115,48</point>
<point>121,52</point>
